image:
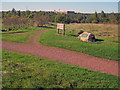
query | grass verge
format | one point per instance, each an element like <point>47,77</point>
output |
<point>28,71</point>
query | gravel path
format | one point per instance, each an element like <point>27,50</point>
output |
<point>32,46</point>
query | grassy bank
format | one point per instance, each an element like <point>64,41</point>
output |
<point>104,48</point>
<point>28,71</point>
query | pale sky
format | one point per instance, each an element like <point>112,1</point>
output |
<point>88,6</point>
<point>60,0</point>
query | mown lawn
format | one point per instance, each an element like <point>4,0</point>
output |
<point>28,71</point>
<point>104,48</point>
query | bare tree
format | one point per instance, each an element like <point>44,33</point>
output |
<point>40,20</point>
<point>15,20</point>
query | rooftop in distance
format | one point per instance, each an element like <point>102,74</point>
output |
<point>63,12</point>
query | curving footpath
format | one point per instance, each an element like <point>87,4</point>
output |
<point>32,46</point>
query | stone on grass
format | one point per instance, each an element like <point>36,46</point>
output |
<point>86,36</point>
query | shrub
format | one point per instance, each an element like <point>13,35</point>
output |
<point>95,21</point>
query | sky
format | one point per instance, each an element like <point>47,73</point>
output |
<point>73,5</point>
<point>60,0</point>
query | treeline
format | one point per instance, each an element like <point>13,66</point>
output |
<point>102,17</point>
<point>13,20</point>
<point>19,18</point>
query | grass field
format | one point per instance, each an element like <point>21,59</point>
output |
<point>105,47</point>
<point>102,30</point>
<point>20,36</point>
<point>28,71</point>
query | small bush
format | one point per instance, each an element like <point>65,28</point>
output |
<point>95,21</point>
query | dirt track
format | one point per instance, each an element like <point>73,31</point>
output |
<point>32,46</point>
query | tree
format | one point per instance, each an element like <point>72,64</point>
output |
<point>96,19</point>
<point>80,17</point>
<point>13,11</point>
<point>105,21</point>
<point>82,21</point>
<point>96,15</point>
<point>60,18</point>
<point>31,15</point>
<point>103,15</point>
<point>23,14</point>
<point>19,13</point>
<point>40,20</point>
<point>89,19</point>
<point>15,21</point>
<point>67,19</point>
<point>3,13</point>
<point>27,13</point>
<point>9,13</point>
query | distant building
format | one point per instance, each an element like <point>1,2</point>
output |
<point>63,12</point>
<point>70,12</point>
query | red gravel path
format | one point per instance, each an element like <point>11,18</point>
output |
<point>32,46</point>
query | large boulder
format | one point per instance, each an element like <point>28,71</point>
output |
<point>85,36</point>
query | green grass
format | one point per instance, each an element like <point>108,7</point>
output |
<point>18,37</point>
<point>28,71</point>
<point>107,49</point>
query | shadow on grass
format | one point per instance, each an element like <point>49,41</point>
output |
<point>73,35</point>
<point>99,40</point>
<point>15,32</point>
<point>116,41</point>
<point>45,27</point>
